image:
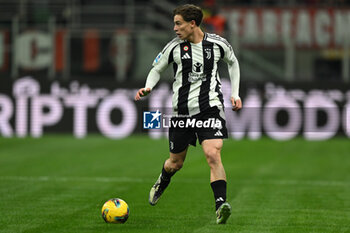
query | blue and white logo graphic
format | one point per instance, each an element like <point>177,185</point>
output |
<point>151,120</point>
<point>156,60</point>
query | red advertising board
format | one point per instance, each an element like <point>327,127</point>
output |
<point>304,27</point>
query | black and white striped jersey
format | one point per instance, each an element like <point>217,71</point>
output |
<point>196,85</point>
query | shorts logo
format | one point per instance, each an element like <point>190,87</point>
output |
<point>152,120</point>
<point>218,134</point>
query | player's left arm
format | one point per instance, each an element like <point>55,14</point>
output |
<point>234,73</point>
<point>233,70</point>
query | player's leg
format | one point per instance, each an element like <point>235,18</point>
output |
<point>174,163</point>
<point>179,140</point>
<point>212,151</point>
<point>170,167</point>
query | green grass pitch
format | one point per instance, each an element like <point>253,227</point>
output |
<point>59,184</point>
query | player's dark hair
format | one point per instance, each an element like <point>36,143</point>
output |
<point>189,12</point>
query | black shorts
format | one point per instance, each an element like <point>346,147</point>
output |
<point>184,131</point>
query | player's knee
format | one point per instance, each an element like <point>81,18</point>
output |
<point>213,156</point>
<point>176,164</point>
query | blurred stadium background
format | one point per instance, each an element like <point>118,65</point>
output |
<point>73,65</point>
<point>70,69</point>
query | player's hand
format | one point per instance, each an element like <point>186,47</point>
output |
<point>142,93</point>
<point>236,104</point>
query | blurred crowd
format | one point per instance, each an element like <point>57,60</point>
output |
<point>221,3</point>
<point>238,2</point>
<point>214,22</point>
<point>77,11</point>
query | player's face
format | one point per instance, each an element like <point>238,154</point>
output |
<point>182,28</point>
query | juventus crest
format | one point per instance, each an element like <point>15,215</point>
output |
<point>207,53</point>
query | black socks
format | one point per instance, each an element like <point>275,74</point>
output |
<point>166,175</point>
<point>219,189</point>
<point>165,178</point>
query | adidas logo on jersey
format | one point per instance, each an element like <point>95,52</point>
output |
<point>186,56</point>
<point>218,134</point>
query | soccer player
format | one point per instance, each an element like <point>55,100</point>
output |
<point>197,96</point>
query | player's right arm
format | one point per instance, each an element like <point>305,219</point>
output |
<point>159,65</point>
<point>141,93</point>
<point>152,79</point>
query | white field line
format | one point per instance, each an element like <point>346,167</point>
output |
<point>204,228</point>
<point>325,183</point>
<point>297,182</point>
<point>74,179</point>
